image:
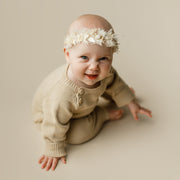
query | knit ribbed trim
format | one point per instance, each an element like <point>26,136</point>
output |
<point>54,150</point>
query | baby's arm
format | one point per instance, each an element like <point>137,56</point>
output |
<point>54,130</point>
<point>56,116</point>
<point>120,92</point>
<point>117,89</point>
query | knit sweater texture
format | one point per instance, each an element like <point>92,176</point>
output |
<point>58,100</point>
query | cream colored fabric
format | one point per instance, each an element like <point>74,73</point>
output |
<point>58,100</point>
<point>85,128</point>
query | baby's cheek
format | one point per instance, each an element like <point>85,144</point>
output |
<point>106,67</point>
<point>79,68</point>
<point>105,72</point>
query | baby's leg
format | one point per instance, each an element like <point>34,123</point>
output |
<point>84,129</point>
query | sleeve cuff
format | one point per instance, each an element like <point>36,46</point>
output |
<point>54,149</point>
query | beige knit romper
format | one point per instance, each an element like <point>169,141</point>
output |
<point>66,113</point>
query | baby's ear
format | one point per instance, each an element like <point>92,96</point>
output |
<point>66,53</point>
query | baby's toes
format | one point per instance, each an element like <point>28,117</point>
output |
<point>116,114</point>
<point>119,114</point>
<point>132,90</point>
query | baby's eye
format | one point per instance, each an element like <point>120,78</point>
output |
<point>84,57</point>
<point>103,58</point>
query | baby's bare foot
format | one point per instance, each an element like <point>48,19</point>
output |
<point>132,90</point>
<point>115,114</point>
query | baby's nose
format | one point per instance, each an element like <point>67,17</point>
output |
<point>94,66</point>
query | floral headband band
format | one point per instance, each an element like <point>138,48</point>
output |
<point>94,36</point>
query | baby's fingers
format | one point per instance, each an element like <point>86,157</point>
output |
<point>54,163</point>
<point>49,164</point>
<point>145,111</point>
<point>135,115</point>
<point>41,159</point>
<point>63,159</point>
<point>44,162</point>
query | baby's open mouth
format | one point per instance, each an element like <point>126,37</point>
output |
<point>92,76</point>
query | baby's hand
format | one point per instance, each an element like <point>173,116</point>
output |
<point>50,162</point>
<point>136,108</point>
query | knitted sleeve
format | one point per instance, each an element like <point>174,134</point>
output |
<point>118,90</point>
<point>56,114</point>
<point>55,126</point>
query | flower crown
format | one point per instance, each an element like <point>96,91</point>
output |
<point>94,36</point>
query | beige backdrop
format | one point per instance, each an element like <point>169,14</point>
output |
<point>31,46</point>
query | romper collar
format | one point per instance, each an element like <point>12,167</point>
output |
<point>82,90</point>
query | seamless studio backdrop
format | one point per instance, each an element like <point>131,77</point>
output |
<point>31,46</point>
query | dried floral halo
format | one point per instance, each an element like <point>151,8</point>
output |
<point>94,36</point>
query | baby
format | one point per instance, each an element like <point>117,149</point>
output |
<point>67,106</point>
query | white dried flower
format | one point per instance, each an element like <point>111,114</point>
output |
<point>94,36</point>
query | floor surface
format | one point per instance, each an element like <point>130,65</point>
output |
<point>147,149</point>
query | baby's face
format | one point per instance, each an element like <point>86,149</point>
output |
<point>89,64</point>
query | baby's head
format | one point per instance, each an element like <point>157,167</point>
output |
<point>91,29</point>
<point>89,48</point>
